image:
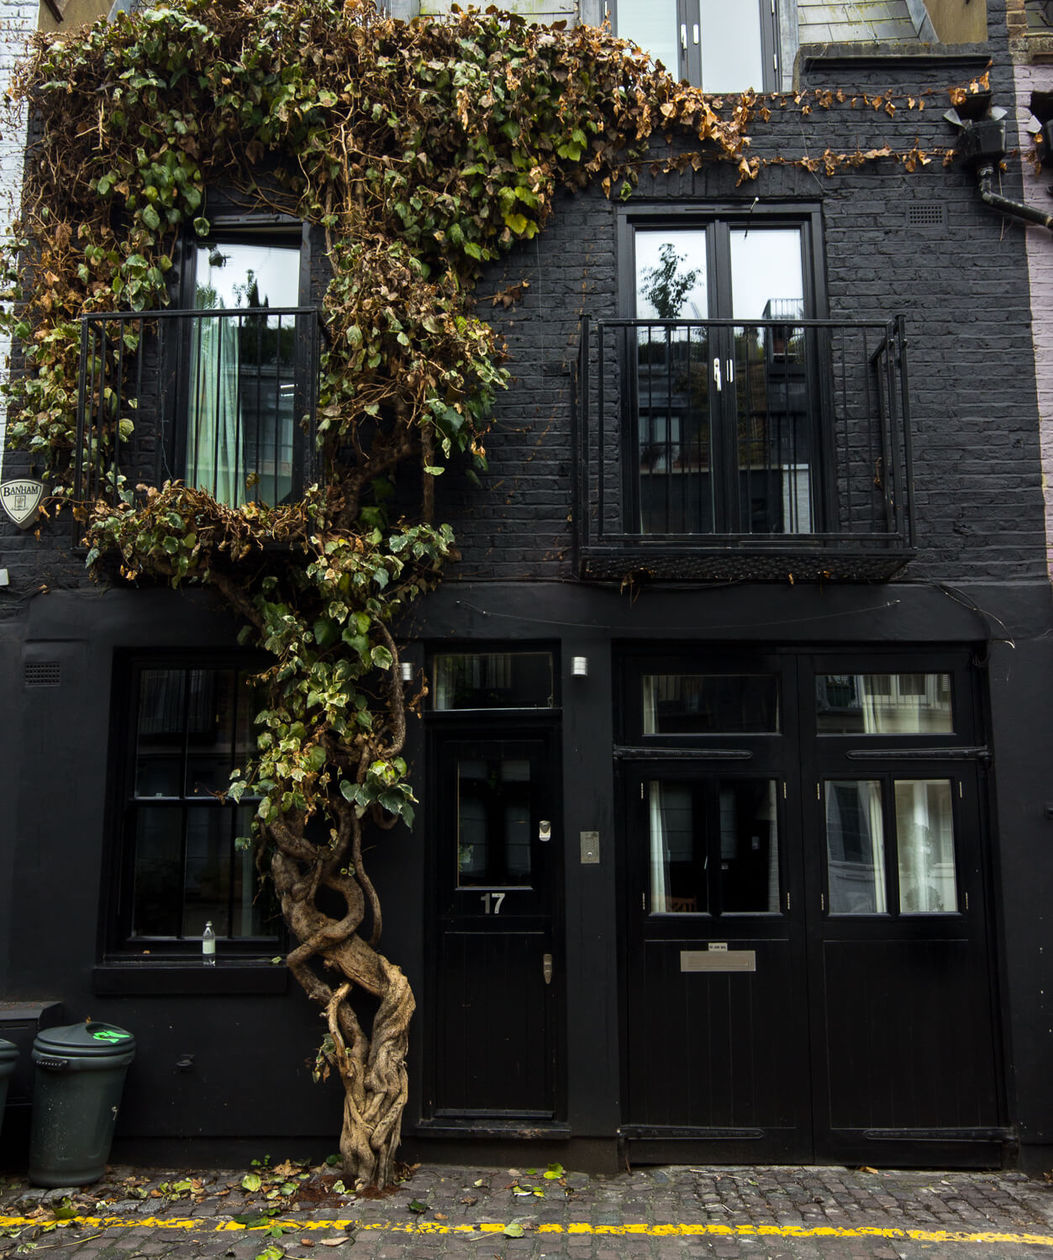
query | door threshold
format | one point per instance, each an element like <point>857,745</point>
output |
<point>491,1127</point>
<point>689,1133</point>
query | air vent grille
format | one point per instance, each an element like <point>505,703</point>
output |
<point>43,673</point>
<point>926,214</point>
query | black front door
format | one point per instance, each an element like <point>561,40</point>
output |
<point>807,972</point>
<point>498,970</point>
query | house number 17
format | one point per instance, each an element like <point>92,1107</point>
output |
<point>492,902</point>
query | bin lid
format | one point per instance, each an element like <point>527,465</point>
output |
<point>87,1040</point>
<point>8,1050</point>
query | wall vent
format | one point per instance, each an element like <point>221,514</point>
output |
<point>43,673</point>
<point>926,214</point>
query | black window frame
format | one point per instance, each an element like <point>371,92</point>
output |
<point>717,222</point>
<point>801,755</point>
<point>719,219</point>
<point>246,229</point>
<point>478,714</point>
<point>119,942</point>
<point>689,44</point>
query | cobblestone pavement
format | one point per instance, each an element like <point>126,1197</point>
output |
<point>523,1214</point>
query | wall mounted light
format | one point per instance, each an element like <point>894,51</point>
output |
<point>407,671</point>
<point>579,667</point>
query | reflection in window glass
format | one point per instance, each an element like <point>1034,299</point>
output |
<point>192,727</point>
<point>221,886</point>
<point>652,24</point>
<point>228,715</point>
<point>731,46</point>
<point>232,274</point>
<point>774,393</point>
<point>494,680</point>
<point>728,847</point>
<point>855,853</point>
<point>678,869</point>
<point>767,281</point>
<point>493,822</point>
<point>158,872</point>
<point>243,372</point>
<point>671,280</point>
<point>672,371</point>
<point>710,704</point>
<point>925,846</point>
<point>749,847</point>
<point>883,704</point>
<point>161,721</point>
<point>206,872</point>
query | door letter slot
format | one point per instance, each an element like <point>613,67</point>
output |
<point>718,960</point>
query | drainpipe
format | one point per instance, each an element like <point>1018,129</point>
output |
<point>1015,209</point>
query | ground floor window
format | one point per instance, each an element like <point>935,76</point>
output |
<point>183,861</point>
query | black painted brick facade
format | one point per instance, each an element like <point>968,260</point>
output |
<point>962,289</point>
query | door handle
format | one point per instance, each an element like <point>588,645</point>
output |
<point>683,36</point>
<point>716,375</point>
<point>546,968</point>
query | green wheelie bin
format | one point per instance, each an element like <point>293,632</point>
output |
<point>80,1070</point>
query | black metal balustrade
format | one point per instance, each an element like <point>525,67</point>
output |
<point>726,449</point>
<point>223,400</point>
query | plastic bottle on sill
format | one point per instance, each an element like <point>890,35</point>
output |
<point>208,945</point>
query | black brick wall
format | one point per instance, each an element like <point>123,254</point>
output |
<point>962,288</point>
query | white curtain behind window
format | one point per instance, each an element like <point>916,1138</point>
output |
<point>213,451</point>
<point>901,710</point>
<point>855,859</point>
<point>659,850</point>
<point>925,836</point>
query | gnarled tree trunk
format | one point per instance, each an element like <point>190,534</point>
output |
<point>370,1061</point>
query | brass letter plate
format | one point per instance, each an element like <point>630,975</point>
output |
<point>718,960</point>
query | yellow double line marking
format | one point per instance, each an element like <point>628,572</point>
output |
<point>574,1227</point>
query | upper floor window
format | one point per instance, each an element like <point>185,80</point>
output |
<point>720,408</point>
<point>719,46</point>
<point>245,376</point>
<point>219,388</point>
<point>725,435</point>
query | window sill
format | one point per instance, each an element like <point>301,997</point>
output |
<point>157,977</point>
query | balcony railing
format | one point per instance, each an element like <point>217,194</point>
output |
<point>723,449</point>
<point>223,400</point>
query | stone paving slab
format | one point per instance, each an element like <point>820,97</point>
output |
<point>439,1212</point>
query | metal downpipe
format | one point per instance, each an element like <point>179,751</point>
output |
<point>1016,209</point>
